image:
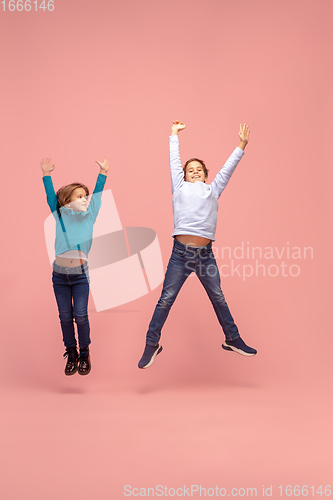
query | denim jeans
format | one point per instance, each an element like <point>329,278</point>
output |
<point>71,289</point>
<point>185,260</point>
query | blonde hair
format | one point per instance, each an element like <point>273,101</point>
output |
<point>64,194</point>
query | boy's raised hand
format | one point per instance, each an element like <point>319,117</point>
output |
<point>176,127</point>
<point>104,166</point>
<point>244,133</point>
<point>46,166</point>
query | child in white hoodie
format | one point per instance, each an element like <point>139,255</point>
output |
<point>195,206</point>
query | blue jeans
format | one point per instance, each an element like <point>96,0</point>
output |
<point>71,289</point>
<point>185,260</point>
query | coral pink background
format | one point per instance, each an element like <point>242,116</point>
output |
<point>101,78</point>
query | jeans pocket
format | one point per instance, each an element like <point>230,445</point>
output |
<point>179,251</point>
<point>59,280</point>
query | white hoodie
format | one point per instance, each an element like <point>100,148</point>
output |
<point>195,204</point>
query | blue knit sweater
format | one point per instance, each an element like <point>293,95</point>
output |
<point>74,230</point>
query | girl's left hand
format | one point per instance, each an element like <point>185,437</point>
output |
<point>104,166</point>
<point>47,166</point>
<point>243,133</point>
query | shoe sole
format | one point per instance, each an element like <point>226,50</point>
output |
<point>239,351</point>
<point>152,358</point>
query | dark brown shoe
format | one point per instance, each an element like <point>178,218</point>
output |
<point>72,359</point>
<point>84,365</point>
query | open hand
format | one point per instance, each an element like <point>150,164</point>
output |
<point>244,133</point>
<point>46,165</point>
<point>104,166</point>
<point>176,127</point>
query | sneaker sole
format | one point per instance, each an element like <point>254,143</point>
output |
<point>152,358</point>
<point>239,351</point>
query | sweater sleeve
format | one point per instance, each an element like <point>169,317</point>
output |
<point>96,198</point>
<point>51,196</point>
<point>222,178</point>
<point>177,173</point>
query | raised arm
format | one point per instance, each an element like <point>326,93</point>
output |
<point>96,199</point>
<point>243,133</point>
<point>104,166</point>
<point>222,178</point>
<point>51,196</point>
<point>177,174</point>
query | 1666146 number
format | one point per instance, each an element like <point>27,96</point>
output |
<point>304,491</point>
<point>27,5</point>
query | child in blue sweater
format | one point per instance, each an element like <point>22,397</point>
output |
<point>75,216</point>
<point>195,206</point>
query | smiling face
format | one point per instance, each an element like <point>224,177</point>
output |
<point>79,200</point>
<point>195,172</point>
